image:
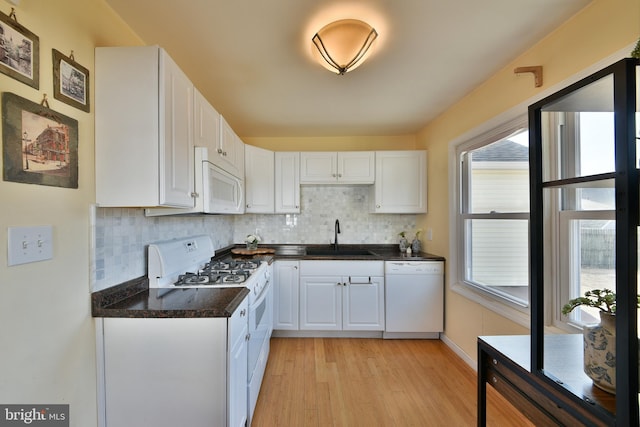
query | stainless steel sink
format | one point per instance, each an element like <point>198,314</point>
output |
<point>338,253</point>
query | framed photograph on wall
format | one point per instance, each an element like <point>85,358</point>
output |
<point>39,145</point>
<point>19,51</point>
<point>70,81</point>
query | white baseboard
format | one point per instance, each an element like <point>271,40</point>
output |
<point>457,350</point>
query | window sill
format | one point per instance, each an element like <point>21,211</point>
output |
<point>517,314</point>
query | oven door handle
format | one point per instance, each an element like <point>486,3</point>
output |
<point>262,296</point>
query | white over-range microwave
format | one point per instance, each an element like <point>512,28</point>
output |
<point>220,191</point>
<point>217,191</point>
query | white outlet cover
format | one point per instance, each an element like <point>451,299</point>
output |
<point>29,244</point>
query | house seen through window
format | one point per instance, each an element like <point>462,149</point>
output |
<point>494,219</point>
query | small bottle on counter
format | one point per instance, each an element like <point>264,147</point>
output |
<point>409,251</point>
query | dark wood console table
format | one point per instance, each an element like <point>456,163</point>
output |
<point>504,362</point>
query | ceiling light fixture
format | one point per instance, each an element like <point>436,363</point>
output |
<point>344,45</point>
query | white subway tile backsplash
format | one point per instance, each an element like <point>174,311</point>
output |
<point>120,235</point>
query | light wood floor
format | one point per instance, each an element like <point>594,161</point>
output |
<point>372,382</point>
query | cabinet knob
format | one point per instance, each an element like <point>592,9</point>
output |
<point>248,205</point>
<point>339,175</point>
<point>219,150</point>
<point>495,362</point>
<point>243,312</point>
<point>494,380</point>
<point>247,337</point>
<point>224,153</point>
<point>378,206</point>
<point>195,195</point>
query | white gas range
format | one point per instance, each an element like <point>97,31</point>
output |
<point>191,263</point>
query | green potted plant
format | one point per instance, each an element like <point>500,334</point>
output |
<point>599,339</point>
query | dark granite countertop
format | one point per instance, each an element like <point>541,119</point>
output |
<point>386,252</point>
<point>135,299</point>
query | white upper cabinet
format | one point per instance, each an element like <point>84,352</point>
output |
<point>401,182</point>
<point>229,154</point>
<point>259,179</point>
<point>143,129</point>
<point>348,167</point>
<point>287,181</point>
<point>207,124</point>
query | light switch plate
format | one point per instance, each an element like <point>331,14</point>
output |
<point>30,244</point>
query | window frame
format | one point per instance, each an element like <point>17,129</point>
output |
<point>494,301</point>
<point>562,212</point>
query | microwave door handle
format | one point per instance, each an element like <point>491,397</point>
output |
<point>240,203</point>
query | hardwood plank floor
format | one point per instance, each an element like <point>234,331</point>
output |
<point>372,382</point>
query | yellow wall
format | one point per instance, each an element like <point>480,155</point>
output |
<point>598,31</point>
<point>344,143</point>
<point>47,353</point>
<point>47,350</point>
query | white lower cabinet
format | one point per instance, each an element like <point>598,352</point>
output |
<point>176,371</point>
<point>350,299</point>
<point>285,304</point>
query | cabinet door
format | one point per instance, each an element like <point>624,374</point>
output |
<point>176,139</point>
<point>318,168</point>
<point>229,155</point>
<point>207,124</point>
<point>321,303</point>
<point>287,181</point>
<point>401,182</point>
<point>285,304</point>
<point>259,180</point>
<point>363,303</point>
<point>237,384</point>
<point>356,167</point>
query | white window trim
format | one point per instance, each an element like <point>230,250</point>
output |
<point>513,113</point>
<point>511,310</point>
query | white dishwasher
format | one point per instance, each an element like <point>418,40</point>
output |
<point>414,299</point>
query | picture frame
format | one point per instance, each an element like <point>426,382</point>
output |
<point>19,51</point>
<point>39,145</point>
<point>70,81</point>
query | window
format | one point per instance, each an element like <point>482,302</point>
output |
<point>493,214</point>
<point>579,144</point>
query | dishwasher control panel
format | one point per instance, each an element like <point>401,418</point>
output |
<point>414,267</point>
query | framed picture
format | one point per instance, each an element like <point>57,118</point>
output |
<point>39,145</point>
<point>70,81</point>
<point>19,51</point>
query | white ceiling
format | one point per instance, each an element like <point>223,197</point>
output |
<point>252,58</point>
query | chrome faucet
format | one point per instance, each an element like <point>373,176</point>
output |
<point>335,238</point>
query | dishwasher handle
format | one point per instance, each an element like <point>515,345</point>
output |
<point>368,282</point>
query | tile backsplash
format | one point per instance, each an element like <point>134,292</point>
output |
<point>120,235</point>
<point>320,206</point>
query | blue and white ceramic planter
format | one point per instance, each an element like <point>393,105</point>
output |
<point>600,352</point>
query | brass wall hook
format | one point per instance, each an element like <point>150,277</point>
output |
<point>535,69</point>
